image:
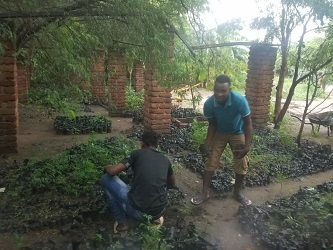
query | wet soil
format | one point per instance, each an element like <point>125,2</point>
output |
<point>216,219</point>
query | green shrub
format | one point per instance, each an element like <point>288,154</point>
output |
<point>62,99</point>
<point>73,172</point>
<point>199,133</point>
<point>134,100</point>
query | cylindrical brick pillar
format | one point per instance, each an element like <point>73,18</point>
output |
<point>8,100</point>
<point>138,73</point>
<point>98,85</point>
<point>157,105</point>
<point>23,81</point>
<point>259,82</point>
<point>117,86</point>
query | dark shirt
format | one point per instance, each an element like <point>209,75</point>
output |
<point>151,169</point>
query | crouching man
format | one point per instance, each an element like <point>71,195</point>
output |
<point>152,176</point>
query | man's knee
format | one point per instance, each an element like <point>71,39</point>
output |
<point>105,179</point>
<point>241,166</point>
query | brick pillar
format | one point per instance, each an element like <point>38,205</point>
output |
<point>8,101</point>
<point>157,105</point>
<point>117,86</point>
<point>138,73</point>
<point>259,82</point>
<point>23,81</point>
<point>98,77</point>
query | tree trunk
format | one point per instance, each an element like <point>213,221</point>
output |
<point>299,136</point>
<point>192,95</point>
<point>307,105</point>
<point>295,81</point>
<point>282,76</point>
<point>293,87</point>
<point>130,71</point>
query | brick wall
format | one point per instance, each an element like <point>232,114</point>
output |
<point>23,81</point>
<point>117,85</point>
<point>8,101</point>
<point>259,81</point>
<point>138,73</point>
<point>157,105</point>
<point>98,85</point>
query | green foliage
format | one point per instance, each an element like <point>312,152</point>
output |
<point>69,58</point>
<point>134,99</point>
<point>300,90</point>
<point>199,133</point>
<point>262,157</point>
<point>227,157</point>
<point>151,236</point>
<point>57,98</point>
<point>308,216</point>
<point>74,172</point>
<point>18,240</point>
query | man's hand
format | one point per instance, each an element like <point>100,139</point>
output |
<point>204,150</point>
<point>240,151</point>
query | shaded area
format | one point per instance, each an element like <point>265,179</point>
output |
<point>302,221</point>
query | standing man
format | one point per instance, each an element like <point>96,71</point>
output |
<point>230,123</point>
<point>152,175</point>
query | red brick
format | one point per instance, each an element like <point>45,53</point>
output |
<point>156,122</point>
<point>7,60</point>
<point>8,118</point>
<point>157,111</point>
<point>156,99</point>
<point>158,116</point>
<point>7,67</point>
<point>5,98</point>
<point>7,83</point>
<point>9,90</point>
<point>8,138</point>
<point>158,89</point>
<point>11,131</point>
<point>7,125</point>
<point>8,148</point>
<point>167,95</point>
<point>7,111</point>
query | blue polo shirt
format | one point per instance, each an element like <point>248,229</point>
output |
<point>228,117</point>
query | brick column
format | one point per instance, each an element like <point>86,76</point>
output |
<point>138,73</point>
<point>98,84</point>
<point>117,86</point>
<point>157,105</point>
<point>8,101</point>
<point>259,82</point>
<point>23,81</point>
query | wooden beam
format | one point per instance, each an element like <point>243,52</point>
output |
<point>219,45</point>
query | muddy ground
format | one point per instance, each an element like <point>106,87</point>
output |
<point>216,218</point>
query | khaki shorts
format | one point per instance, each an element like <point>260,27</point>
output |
<point>217,147</point>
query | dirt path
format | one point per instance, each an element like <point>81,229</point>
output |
<point>37,137</point>
<point>217,217</point>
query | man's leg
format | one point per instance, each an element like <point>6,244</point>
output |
<point>207,177</point>
<point>218,145</point>
<point>116,195</point>
<point>240,168</point>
